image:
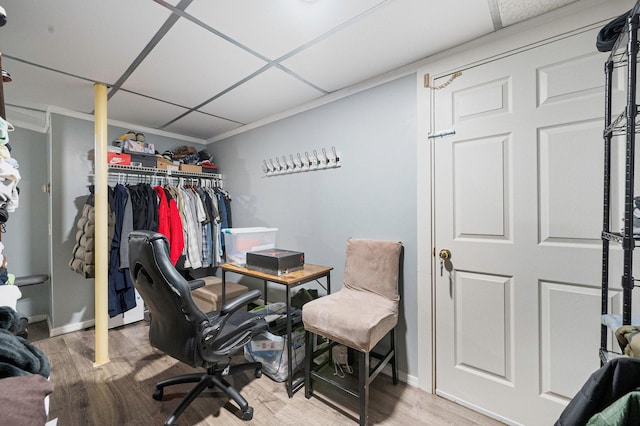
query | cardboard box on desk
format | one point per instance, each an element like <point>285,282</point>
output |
<point>275,261</point>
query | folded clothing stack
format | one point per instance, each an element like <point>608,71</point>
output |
<point>18,357</point>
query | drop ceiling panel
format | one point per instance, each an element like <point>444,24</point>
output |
<point>92,39</point>
<point>199,125</point>
<point>512,11</point>
<point>34,87</point>
<point>271,92</point>
<point>132,108</point>
<point>190,65</point>
<point>394,35</point>
<point>276,27</point>
<point>55,50</point>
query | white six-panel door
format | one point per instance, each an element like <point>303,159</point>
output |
<point>518,203</point>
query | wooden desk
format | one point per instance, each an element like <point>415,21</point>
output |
<point>292,279</point>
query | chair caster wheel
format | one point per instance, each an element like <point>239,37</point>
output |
<point>258,373</point>
<point>157,394</point>
<point>247,414</point>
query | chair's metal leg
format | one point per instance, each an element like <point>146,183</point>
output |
<point>204,383</point>
<point>363,388</point>
<point>231,392</point>
<point>308,363</point>
<point>394,366</point>
<point>185,378</point>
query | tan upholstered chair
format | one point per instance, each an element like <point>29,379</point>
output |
<point>359,315</point>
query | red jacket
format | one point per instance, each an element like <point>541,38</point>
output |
<point>169,224</point>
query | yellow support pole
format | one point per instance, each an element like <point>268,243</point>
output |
<point>101,234</point>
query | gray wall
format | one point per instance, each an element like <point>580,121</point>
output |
<point>27,235</point>
<point>72,298</point>
<point>373,194</point>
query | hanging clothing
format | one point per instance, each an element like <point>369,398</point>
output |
<point>145,207</point>
<point>216,231</point>
<point>83,256</point>
<point>127,227</point>
<point>121,292</point>
<point>224,222</point>
<point>169,223</point>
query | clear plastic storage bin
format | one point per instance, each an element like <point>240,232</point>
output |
<point>271,350</point>
<point>239,241</point>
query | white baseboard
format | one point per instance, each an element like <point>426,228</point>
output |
<point>38,318</point>
<point>68,328</point>
<point>402,376</point>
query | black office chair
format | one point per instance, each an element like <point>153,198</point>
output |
<point>181,330</point>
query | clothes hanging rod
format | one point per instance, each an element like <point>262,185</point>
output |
<point>152,171</point>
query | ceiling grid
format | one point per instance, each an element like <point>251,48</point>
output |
<point>201,68</point>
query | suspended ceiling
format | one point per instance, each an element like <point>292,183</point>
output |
<point>201,68</point>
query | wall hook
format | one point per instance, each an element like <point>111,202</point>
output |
<point>297,163</point>
<point>302,164</point>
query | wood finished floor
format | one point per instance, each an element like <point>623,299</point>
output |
<point>119,392</point>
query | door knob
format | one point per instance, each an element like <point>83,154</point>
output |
<point>445,254</point>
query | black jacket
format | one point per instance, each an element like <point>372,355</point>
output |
<point>606,385</point>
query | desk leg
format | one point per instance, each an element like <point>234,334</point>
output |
<point>328,282</point>
<point>265,293</point>
<point>224,289</point>
<point>289,345</point>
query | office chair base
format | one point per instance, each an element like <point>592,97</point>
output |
<point>212,379</point>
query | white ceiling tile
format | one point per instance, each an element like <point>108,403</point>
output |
<point>92,39</point>
<point>199,125</point>
<point>271,92</point>
<point>394,35</point>
<point>332,44</point>
<point>513,11</point>
<point>34,87</point>
<point>132,108</point>
<point>276,27</point>
<point>190,65</point>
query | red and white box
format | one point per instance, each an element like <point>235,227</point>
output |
<point>118,159</point>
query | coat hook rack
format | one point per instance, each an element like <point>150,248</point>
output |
<point>302,163</point>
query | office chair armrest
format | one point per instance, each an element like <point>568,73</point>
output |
<point>194,284</point>
<point>240,301</point>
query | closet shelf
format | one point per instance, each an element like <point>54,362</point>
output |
<point>618,126</point>
<point>152,171</point>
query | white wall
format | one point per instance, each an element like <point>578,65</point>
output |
<point>371,196</point>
